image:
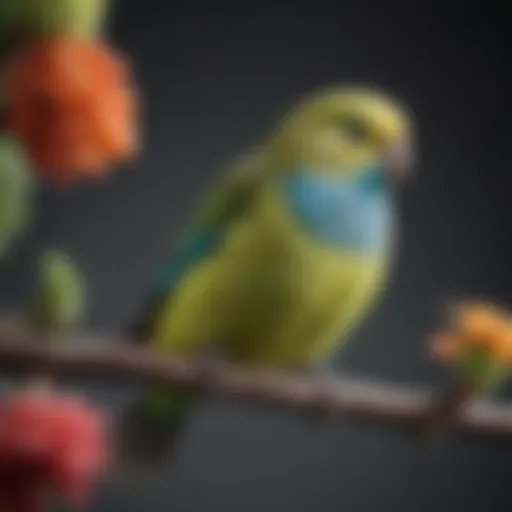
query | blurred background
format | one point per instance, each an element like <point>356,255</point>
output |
<point>214,77</point>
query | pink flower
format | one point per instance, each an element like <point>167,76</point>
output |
<point>50,443</point>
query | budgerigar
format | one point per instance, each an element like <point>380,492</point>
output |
<point>286,254</point>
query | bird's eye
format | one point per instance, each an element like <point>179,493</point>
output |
<point>355,128</point>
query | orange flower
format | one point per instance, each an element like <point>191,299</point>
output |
<point>71,102</point>
<point>476,326</point>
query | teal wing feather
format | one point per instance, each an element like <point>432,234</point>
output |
<point>199,243</point>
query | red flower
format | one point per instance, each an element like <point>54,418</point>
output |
<point>49,442</point>
<point>71,102</point>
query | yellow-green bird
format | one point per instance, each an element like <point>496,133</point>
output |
<point>286,254</point>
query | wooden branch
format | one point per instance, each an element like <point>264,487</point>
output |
<point>351,398</point>
<point>447,409</point>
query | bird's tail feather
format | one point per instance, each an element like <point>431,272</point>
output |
<point>151,428</point>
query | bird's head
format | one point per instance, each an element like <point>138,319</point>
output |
<point>346,131</point>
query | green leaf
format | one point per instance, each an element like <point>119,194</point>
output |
<point>17,185</point>
<point>479,367</point>
<point>60,298</point>
<point>28,18</point>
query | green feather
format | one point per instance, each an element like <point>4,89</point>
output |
<point>166,407</point>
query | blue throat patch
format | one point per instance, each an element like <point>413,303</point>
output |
<point>351,214</point>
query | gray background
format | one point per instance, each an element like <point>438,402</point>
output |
<point>215,76</point>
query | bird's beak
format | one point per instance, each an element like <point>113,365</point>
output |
<point>398,158</point>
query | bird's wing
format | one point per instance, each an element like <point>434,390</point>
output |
<point>226,202</point>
